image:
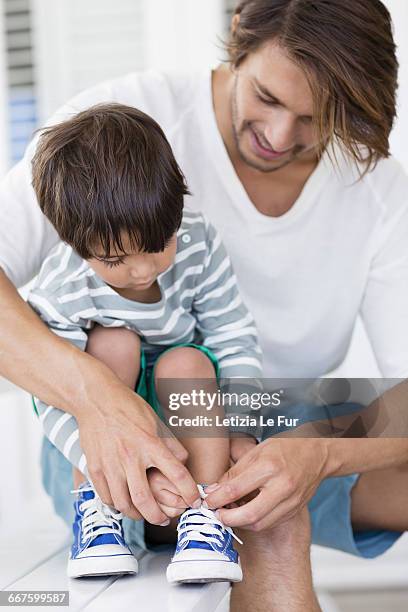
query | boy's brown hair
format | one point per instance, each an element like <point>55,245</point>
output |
<point>106,173</point>
<point>347,52</point>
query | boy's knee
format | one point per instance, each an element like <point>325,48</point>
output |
<point>185,362</point>
<point>118,341</point>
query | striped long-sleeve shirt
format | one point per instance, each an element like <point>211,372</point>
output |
<point>199,303</point>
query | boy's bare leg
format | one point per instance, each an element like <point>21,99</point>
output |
<point>78,477</point>
<point>119,349</point>
<point>208,456</point>
<point>276,569</point>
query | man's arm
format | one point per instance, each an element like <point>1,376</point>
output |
<point>348,455</point>
<point>284,473</point>
<point>26,343</point>
<point>119,450</point>
<point>288,469</point>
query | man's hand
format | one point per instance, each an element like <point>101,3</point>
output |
<point>239,446</point>
<point>121,444</point>
<point>284,472</point>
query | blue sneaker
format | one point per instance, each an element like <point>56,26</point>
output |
<point>205,551</point>
<point>99,548</point>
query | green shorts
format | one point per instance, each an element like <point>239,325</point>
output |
<point>145,386</point>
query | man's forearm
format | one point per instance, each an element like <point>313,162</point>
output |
<point>385,420</point>
<point>37,360</point>
<point>350,455</point>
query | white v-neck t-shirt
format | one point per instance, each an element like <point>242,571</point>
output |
<point>340,251</point>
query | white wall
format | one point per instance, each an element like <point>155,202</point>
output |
<point>182,34</point>
<point>100,39</point>
<point>20,487</point>
<point>78,44</point>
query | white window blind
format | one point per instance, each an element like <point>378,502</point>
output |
<point>20,80</point>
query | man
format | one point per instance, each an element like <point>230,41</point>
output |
<point>285,149</point>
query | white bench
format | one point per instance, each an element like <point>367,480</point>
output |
<point>35,559</point>
<point>33,556</point>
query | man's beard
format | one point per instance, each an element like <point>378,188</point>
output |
<point>237,133</point>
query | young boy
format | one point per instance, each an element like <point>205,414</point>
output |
<point>150,292</point>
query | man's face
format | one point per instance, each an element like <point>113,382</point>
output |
<point>137,271</point>
<point>272,108</point>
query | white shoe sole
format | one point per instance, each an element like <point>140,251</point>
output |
<point>203,571</point>
<point>102,566</point>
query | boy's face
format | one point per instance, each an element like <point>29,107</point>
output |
<point>137,271</point>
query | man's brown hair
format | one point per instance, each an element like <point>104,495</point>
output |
<point>347,52</point>
<point>106,173</point>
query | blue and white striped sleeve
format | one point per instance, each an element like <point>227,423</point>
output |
<point>45,299</point>
<point>223,321</point>
<point>60,427</point>
<point>56,321</point>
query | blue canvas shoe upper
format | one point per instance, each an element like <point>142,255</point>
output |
<point>200,529</point>
<point>95,524</point>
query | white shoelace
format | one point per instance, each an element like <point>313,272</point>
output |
<point>99,518</point>
<point>207,522</point>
